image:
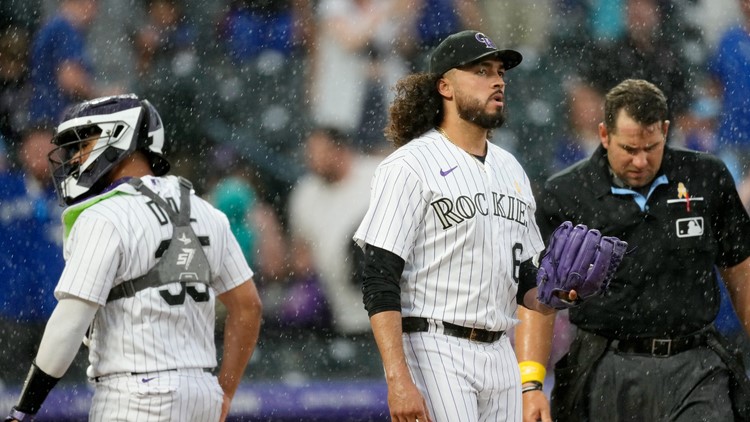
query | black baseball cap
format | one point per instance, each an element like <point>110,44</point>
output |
<point>469,46</point>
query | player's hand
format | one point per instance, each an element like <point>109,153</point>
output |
<point>577,259</point>
<point>570,296</point>
<point>406,403</point>
<point>536,407</point>
<point>542,308</point>
<point>225,405</point>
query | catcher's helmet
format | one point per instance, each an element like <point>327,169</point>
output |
<point>118,125</point>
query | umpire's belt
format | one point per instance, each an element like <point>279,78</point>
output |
<point>660,347</point>
<point>416,324</point>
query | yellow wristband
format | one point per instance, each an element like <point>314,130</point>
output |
<point>532,371</point>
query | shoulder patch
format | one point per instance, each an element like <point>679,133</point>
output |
<point>71,214</point>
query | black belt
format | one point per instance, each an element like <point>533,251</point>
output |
<point>416,324</point>
<point>659,347</point>
<point>101,377</point>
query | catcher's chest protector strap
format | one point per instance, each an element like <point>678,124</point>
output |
<point>183,261</point>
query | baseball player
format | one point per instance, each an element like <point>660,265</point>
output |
<point>145,261</point>
<point>448,240</point>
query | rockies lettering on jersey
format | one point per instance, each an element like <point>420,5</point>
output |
<point>462,226</point>
<point>451,212</point>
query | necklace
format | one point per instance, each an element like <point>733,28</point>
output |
<point>479,158</point>
<point>442,132</point>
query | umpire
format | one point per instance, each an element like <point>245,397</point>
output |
<point>646,350</point>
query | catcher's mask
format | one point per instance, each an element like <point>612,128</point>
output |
<point>96,135</point>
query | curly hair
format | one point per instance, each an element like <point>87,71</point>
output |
<point>417,108</point>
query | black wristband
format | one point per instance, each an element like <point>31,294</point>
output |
<point>535,385</point>
<point>37,386</point>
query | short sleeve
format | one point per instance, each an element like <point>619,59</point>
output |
<point>733,223</point>
<point>93,253</point>
<point>396,210</point>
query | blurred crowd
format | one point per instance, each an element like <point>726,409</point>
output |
<point>275,110</point>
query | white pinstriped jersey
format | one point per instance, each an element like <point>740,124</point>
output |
<point>117,239</point>
<point>462,227</point>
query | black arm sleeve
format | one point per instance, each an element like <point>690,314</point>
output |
<point>37,386</point>
<point>526,281</point>
<point>380,287</point>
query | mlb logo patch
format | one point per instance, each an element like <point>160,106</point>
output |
<point>690,227</point>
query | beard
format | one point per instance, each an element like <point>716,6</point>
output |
<point>472,110</point>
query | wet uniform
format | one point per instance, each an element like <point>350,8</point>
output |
<point>689,220</point>
<point>149,353</point>
<point>463,227</point>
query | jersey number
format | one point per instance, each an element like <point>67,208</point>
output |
<point>160,215</point>
<point>517,251</point>
<point>179,298</point>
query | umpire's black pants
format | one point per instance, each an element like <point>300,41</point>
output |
<point>687,387</point>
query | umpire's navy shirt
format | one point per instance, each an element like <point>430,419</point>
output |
<point>691,220</point>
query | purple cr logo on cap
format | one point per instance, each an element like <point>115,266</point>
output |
<point>484,40</point>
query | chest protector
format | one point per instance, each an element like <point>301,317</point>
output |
<point>184,260</point>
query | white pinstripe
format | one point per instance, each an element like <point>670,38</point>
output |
<point>462,274</point>
<point>169,396</point>
<point>116,239</point>
<point>464,380</point>
<point>462,228</point>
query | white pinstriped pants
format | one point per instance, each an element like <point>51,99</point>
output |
<point>464,380</point>
<point>164,396</point>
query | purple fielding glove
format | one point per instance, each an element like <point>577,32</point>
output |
<point>577,259</point>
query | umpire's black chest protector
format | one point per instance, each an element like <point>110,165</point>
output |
<point>184,260</point>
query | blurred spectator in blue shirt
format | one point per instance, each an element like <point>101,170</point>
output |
<point>14,88</point>
<point>165,35</point>
<point>697,130</point>
<point>61,70</point>
<point>30,253</point>
<point>169,72</point>
<point>730,68</point>
<point>440,18</point>
<point>580,137</point>
<point>251,27</point>
<point>435,20</point>
<point>260,72</point>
